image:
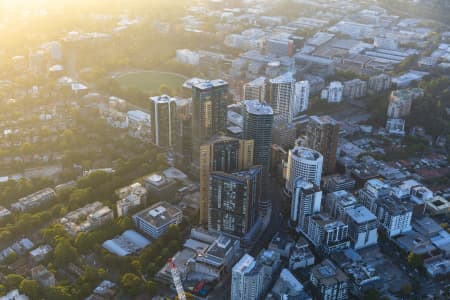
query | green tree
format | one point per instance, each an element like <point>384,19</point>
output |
<point>415,261</point>
<point>131,283</point>
<point>2,290</point>
<point>13,281</point>
<point>64,252</point>
<point>372,294</point>
<point>30,288</point>
<point>12,257</point>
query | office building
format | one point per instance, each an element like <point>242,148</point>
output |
<point>326,233</point>
<point>246,279</point>
<point>221,153</point>
<point>301,96</point>
<point>282,96</point>
<point>362,227</point>
<point>156,219</point>
<point>333,93</point>
<point>306,201</point>
<point>329,282</point>
<point>337,203</point>
<point>258,122</point>
<point>322,135</point>
<point>303,163</point>
<point>256,89</point>
<point>209,112</point>
<point>163,120</point>
<point>233,201</point>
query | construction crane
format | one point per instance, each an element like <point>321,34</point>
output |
<point>176,279</point>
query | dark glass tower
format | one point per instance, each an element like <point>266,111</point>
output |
<point>209,112</point>
<point>258,122</point>
<point>234,200</point>
<point>225,154</point>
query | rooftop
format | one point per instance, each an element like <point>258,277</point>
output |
<point>258,108</point>
<point>287,77</point>
<point>306,153</point>
<point>323,119</point>
<point>328,274</point>
<point>162,99</point>
<point>245,264</point>
<point>159,214</point>
<point>361,214</point>
<point>208,84</point>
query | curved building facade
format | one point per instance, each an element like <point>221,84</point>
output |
<point>303,163</point>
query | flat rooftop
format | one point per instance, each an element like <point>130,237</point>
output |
<point>361,214</point>
<point>258,108</point>
<point>159,214</point>
<point>209,84</point>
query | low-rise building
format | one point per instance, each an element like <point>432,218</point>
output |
<point>130,196</point>
<point>86,218</point>
<point>287,287</point>
<point>34,200</point>
<point>40,253</point>
<point>100,217</point>
<point>43,276</point>
<point>282,244</point>
<point>438,205</point>
<point>395,126</point>
<point>4,213</point>
<point>437,266</point>
<point>338,182</point>
<point>301,256</point>
<point>129,242</point>
<point>329,282</point>
<point>160,187</point>
<point>156,219</point>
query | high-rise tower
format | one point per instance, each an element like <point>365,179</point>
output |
<point>258,122</point>
<point>221,153</point>
<point>234,200</point>
<point>322,134</point>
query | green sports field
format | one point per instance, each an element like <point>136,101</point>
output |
<point>150,81</point>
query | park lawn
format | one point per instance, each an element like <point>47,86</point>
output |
<point>150,81</point>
